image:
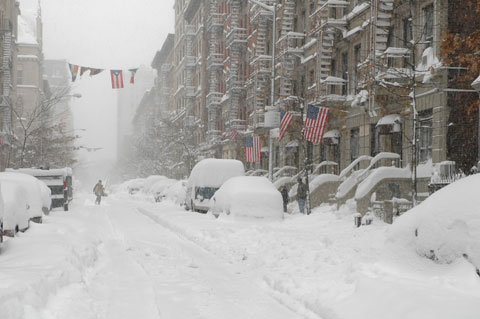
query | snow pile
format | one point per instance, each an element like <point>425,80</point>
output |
<point>282,181</point>
<point>248,196</point>
<point>160,186</point>
<point>446,226</point>
<point>322,179</point>
<point>133,185</point>
<point>214,172</point>
<point>378,175</point>
<point>150,181</point>
<point>349,183</point>
<point>176,192</point>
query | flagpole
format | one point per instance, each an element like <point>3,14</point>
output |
<point>305,162</point>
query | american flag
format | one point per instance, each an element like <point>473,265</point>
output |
<point>233,135</point>
<point>315,123</point>
<point>252,149</point>
<point>117,79</point>
<point>287,118</point>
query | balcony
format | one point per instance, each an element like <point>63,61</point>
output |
<point>290,43</point>
<point>236,36</point>
<point>214,99</point>
<point>216,21</point>
<point>190,92</point>
<point>190,62</point>
<point>215,60</point>
<point>190,30</point>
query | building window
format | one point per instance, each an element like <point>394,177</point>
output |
<point>333,72</point>
<point>345,72</point>
<point>312,6</point>
<point>354,143</point>
<point>428,23</point>
<point>357,55</point>
<point>373,140</point>
<point>19,76</point>
<point>390,43</point>
<point>311,78</point>
<point>425,136</point>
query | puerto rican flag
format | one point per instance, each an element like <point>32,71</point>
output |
<point>117,79</point>
<point>315,123</point>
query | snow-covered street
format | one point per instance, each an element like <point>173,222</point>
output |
<point>130,258</point>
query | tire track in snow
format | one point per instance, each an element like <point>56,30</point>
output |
<point>282,297</point>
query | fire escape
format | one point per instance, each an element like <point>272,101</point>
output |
<point>236,43</point>
<point>189,80</point>
<point>324,27</point>
<point>381,12</point>
<point>289,48</point>
<point>165,91</point>
<point>215,24</point>
<point>260,65</point>
<point>5,99</point>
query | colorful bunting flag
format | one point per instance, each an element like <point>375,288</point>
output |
<point>74,71</point>
<point>117,79</point>
<point>132,75</point>
<point>94,71</point>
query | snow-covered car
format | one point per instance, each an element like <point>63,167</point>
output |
<point>37,199</point>
<point>2,213</point>
<point>206,178</point>
<point>248,196</point>
<point>446,226</point>
<point>150,181</point>
<point>135,185</point>
<point>16,217</point>
<point>157,190</point>
<point>175,193</point>
<point>58,180</point>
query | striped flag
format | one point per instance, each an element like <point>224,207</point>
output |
<point>252,149</point>
<point>117,79</point>
<point>132,75</point>
<point>233,135</point>
<point>287,118</point>
<point>315,123</point>
<point>74,70</point>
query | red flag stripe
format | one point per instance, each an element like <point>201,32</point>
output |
<point>287,119</point>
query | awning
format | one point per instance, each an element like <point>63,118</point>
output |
<point>390,119</point>
<point>292,144</point>
<point>332,134</point>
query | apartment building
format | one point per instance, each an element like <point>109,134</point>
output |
<point>9,11</point>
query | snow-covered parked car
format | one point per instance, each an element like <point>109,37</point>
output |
<point>150,181</point>
<point>158,189</point>
<point>446,226</point>
<point>37,194</point>
<point>16,217</point>
<point>248,196</point>
<point>135,185</point>
<point>2,213</point>
<point>206,178</point>
<point>175,193</point>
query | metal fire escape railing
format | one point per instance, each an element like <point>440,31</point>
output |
<point>215,24</point>
<point>260,62</point>
<point>323,29</point>
<point>189,80</point>
<point>236,43</point>
<point>5,99</point>
<point>289,48</point>
<point>381,12</point>
<point>165,90</point>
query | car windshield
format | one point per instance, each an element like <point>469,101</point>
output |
<point>205,192</point>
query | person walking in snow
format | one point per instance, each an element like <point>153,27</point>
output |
<point>99,192</point>
<point>301,195</point>
<point>284,193</point>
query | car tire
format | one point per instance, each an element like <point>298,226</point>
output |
<point>192,206</point>
<point>1,233</point>
<point>65,207</point>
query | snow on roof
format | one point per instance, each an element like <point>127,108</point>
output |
<point>293,143</point>
<point>446,226</point>
<point>389,120</point>
<point>349,33</point>
<point>380,156</point>
<point>334,80</point>
<point>393,51</point>
<point>27,29</point>
<point>67,171</point>
<point>332,134</point>
<point>214,172</point>
<point>377,175</point>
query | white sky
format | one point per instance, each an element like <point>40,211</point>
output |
<point>104,34</point>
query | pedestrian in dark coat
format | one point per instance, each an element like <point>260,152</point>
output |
<point>99,192</point>
<point>301,195</point>
<point>284,193</point>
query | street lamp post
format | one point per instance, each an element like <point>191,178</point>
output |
<point>273,10</point>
